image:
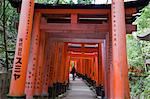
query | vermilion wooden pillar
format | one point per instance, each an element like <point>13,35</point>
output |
<point>65,63</point>
<point>104,71</point>
<point>109,67</point>
<point>81,66</point>
<point>61,59</point>
<point>17,85</point>
<point>33,57</point>
<point>96,71</point>
<point>120,68</point>
<point>85,65</point>
<point>100,65</point>
<point>59,63</point>
<point>46,67</point>
<point>93,68</point>
<point>39,71</point>
<point>51,69</point>
<point>78,66</point>
<point>56,62</point>
<point>67,68</point>
<point>103,63</point>
<point>89,68</point>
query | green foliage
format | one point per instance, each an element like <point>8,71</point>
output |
<point>64,1</point>
<point>138,52</point>
<point>144,20</point>
<point>46,1</point>
<point>133,51</point>
<point>11,17</point>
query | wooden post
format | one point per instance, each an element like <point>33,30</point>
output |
<point>100,64</point>
<point>74,19</point>
<point>96,70</point>
<point>33,57</point>
<point>64,58</point>
<point>39,71</point>
<point>93,68</point>
<point>81,65</point>
<point>109,67</point>
<point>17,85</point>
<point>120,67</point>
<point>67,72</point>
<point>60,62</point>
<point>90,64</point>
<point>46,67</point>
<point>51,69</point>
<point>104,79</point>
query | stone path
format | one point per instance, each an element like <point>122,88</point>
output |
<point>79,90</point>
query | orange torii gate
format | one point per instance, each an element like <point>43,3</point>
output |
<point>42,58</point>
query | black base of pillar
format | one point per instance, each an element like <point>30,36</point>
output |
<point>50,91</point>
<point>59,88</point>
<point>84,77</point>
<point>67,86</point>
<point>103,93</point>
<point>64,88</point>
<point>16,97</point>
<point>100,91</point>
<point>94,83</point>
<point>36,96</point>
<point>55,90</point>
<point>78,75</point>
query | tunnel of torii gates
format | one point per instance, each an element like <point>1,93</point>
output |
<point>51,36</point>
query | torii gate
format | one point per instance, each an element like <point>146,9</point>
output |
<point>33,55</point>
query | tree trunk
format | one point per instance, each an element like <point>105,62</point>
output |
<point>5,37</point>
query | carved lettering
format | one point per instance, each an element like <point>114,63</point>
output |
<point>16,76</point>
<point>19,60</point>
<point>18,63</point>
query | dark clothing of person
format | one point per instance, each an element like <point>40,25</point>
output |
<point>73,71</point>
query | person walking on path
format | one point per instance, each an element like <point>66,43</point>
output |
<point>73,71</point>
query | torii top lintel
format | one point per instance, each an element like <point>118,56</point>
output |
<point>132,7</point>
<point>139,4</point>
<point>103,10</point>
